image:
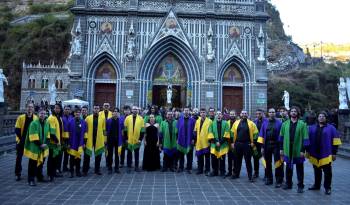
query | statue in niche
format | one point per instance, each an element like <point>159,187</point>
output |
<point>129,55</point>
<point>260,41</point>
<point>211,51</point>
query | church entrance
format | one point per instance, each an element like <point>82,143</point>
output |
<point>169,72</point>
<point>105,85</point>
<point>232,89</point>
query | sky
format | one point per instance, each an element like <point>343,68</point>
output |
<point>312,21</point>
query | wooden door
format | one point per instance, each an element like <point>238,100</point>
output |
<point>105,92</point>
<point>232,98</point>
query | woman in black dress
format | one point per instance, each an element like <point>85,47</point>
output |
<point>151,158</point>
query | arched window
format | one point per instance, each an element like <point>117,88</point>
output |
<point>45,82</point>
<point>170,69</point>
<point>59,83</point>
<point>232,75</point>
<point>31,82</point>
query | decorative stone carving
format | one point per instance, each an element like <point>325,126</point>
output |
<point>210,50</point>
<point>260,41</point>
<point>107,3</point>
<point>129,54</point>
<point>234,51</point>
<point>171,27</point>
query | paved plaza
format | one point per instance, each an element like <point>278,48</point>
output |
<point>164,188</point>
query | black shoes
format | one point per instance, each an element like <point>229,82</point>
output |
<point>98,173</point>
<point>278,185</point>
<point>199,172</point>
<point>117,171</point>
<point>189,171</point>
<point>300,190</point>
<point>228,175</point>
<point>18,178</point>
<point>314,188</point>
<point>328,191</point>
<point>84,174</point>
<point>256,175</point>
<point>213,174</point>
<point>109,171</point>
<point>31,183</point>
<point>286,187</point>
<point>234,177</point>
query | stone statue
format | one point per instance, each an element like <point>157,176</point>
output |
<point>260,41</point>
<point>2,80</point>
<point>129,55</point>
<point>342,95</point>
<point>286,100</point>
<point>169,94</point>
<point>53,94</point>
<point>76,41</point>
<point>211,51</point>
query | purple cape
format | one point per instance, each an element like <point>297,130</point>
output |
<point>76,140</point>
<point>276,130</point>
<point>185,143</point>
<point>328,134</point>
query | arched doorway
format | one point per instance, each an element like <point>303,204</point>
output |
<point>232,89</point>
<point>105,84</point>
<point>169,71</point>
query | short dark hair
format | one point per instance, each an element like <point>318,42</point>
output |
<point>203,109</point>
<point>295,108</point>
<point>85,107</point>
<point>259,110</point>
<point>116,109</point>
<point>323,113</point>
<point>77,109</point>
<point>126,107</point>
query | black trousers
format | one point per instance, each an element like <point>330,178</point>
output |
<point>86,163</point>
<point>268,153</point>
<point>218,163</point>
<point>169,161</point>
<point>230,163</point>
<point>52,163</point>
<point>201,158</point>
<point>19,156</point>
<point>136,157</point>
<point>256,158</point>
<point>243,150</point>
<point>327,170</point>
<point>300,174</point>
<point>189,160</point>
<point>122,155</point>
<point>74,163</point>
<point>34,170</point>
<point>112,148</point>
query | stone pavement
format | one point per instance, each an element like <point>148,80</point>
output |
<point>165,188</point>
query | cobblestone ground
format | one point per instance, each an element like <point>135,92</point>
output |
<point>164,188</point>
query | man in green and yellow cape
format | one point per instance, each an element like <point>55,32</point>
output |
<point>35,147</point>
<point>219,136</point>
<point>56,137</point>
<point>95,140</point>
<point>134,133</point>
<point>21,129</point>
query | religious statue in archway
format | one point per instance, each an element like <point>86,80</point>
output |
<point>169,94</point>
<point>2,80</point>
<point>343,104</point>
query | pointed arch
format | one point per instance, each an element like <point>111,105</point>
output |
<point>175,46</point>
<point>91,74</point>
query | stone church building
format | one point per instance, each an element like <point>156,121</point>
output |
<point>209,53</point>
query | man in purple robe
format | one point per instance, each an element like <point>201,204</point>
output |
<point>185,140</point>
<point>260,119</point>
<point>77,130</point>
<point>66,117</point>
<point>268,137</point>
<point>324,142</point>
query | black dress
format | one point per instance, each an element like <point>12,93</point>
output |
<point>151,158</point>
